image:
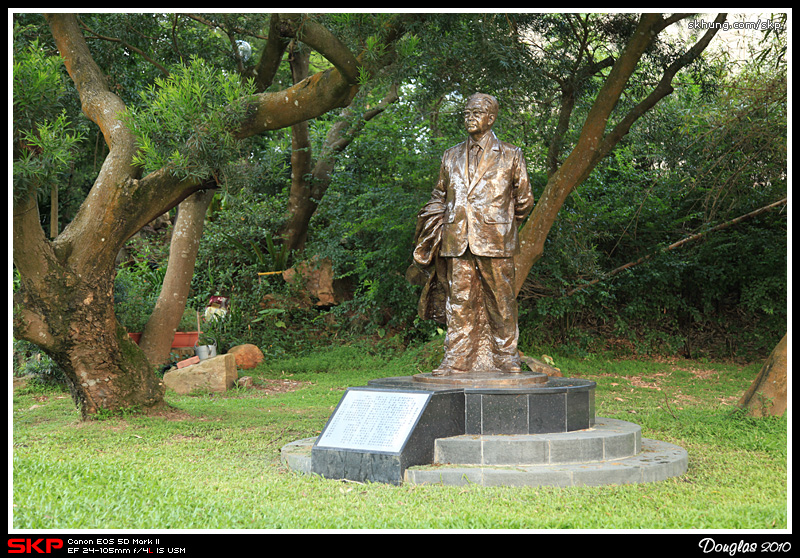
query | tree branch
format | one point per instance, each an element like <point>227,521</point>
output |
<point>319,93</point>
<point>580,160</point>
<point>309,186</point>
<point>339,138</point>
<point>127,45</point>
<point>97,216</point>
<point>593,143</point>
<point>32,253</point>
<point>323,41</point>
<point>98,103</point>
<point>663,89</point>
<point>119,203</point>
<point>568,90</point>
<point>271,55</point>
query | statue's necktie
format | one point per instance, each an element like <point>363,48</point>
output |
<point>474,157</point>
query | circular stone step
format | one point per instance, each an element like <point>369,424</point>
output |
<point>651,460</point>
<point>658,461</point>
<point>608,439</point>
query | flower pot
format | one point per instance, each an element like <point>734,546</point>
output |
<point>181,338</point>
<point>185,339</point>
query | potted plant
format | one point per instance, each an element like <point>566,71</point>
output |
<point>134,297</point>
<point>133,317</point>
<point>186,336</point>
<point>136,290</point>
<point>188,329</point>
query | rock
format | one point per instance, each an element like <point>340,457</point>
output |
<point>315,279</point>
<point>247,356</point>
<point>213,374</point>
<point>244,382</point>
<point>539,366</point>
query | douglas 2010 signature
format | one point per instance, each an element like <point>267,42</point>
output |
<point>709,545</point>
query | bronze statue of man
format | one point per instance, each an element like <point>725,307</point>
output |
<point>468,232</point>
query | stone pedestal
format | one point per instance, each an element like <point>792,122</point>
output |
<point>556,408</point>
<point>504,429</point>
<point>527,403</point>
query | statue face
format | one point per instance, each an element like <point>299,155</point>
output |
<point>477,119</point>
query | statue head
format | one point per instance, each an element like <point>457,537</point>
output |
<point>480,113</point>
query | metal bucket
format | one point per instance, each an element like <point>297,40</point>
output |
<point>206,351</point>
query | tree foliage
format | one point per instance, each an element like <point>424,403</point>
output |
<point>44,139</point>
<point>187,121</point>
<point>712,153</point>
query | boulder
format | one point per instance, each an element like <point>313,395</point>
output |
<point>213,374</point>
<point>314,279</point>
<point>247,356</point>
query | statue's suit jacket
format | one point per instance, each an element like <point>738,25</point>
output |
<point>483,211</point>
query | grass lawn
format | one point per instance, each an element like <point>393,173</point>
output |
<point>213,460</point>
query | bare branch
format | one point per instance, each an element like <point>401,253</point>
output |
<point>680,243</point>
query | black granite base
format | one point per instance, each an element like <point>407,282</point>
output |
<point>557,405</point>
<point>378,437</point>
<point>363,456</point>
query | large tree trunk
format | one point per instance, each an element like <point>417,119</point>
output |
<point>767,394</point>
<point>156,340</point>
<point>69,313</point>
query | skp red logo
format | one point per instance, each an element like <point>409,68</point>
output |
<point>31,546</point>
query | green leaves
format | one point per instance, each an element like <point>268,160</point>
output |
<point>279,255</point>
<point>44,139</point>
<point>39,86</point>
<point>271,314</point>
<point>187,121</point>
<point>47,153</point>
